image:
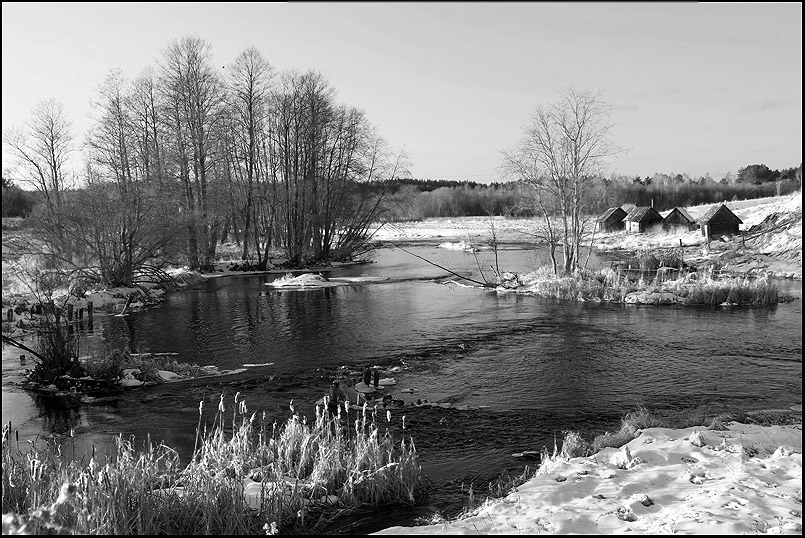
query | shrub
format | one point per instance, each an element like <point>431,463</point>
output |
<point>57,352</point>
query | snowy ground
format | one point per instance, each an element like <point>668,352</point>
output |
<point>747,480</point>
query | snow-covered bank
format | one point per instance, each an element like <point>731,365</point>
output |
<point>744,480</point>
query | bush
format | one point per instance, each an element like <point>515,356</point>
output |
<point>58,352</point>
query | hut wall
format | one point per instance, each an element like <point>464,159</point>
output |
<point>721,228</point>
<point>723,223</point>
<point>649,221</point>
<point>675,221</point>
<point>611,225</point>
<point>633,227</point>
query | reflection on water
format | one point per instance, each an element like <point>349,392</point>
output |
<point>59,415</point>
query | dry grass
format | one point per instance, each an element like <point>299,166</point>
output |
<point>611,285</point>
<point>303,472</point>
<point>738,291</point>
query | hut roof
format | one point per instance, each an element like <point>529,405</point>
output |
<point>609,212</point>
<point>682,212</point>
<point>637,214</point>
<point>713,211</point>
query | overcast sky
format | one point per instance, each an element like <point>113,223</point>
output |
<point>695,88</point>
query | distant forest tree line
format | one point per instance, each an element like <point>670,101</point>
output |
<point>416,199</point>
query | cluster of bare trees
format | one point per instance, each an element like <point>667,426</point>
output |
<point>188,155</point>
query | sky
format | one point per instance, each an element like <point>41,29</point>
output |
<point>695,88</point>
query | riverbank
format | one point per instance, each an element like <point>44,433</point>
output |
<point>745,479</point>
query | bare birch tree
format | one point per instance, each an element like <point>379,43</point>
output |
<point>563,151</point>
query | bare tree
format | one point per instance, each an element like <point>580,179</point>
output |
<point>563,150</point>
<point>122,217</point>
<point>145,109</point>
<point>42,148</point>
<point>321,153</point>
<point>248,102</point>
<point>194,97</point>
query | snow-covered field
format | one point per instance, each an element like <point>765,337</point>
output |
<point>746,480</point>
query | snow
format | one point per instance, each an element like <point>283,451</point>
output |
<point>745,480</point>
<point>463,246</point>
<point>304,280</point>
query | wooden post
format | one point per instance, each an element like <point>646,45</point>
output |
<point>89,311</point>
<point>10,314</point>
<point>377,377</point>
<point>80,314</point>
<point>69,312</point>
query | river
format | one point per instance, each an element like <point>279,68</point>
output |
<point>526,368</point>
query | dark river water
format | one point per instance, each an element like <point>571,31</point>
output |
<point>531,367</point>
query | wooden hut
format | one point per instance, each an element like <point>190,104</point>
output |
<point>678,219</point>
<point>611,220</point>
<point>719,221</point>
<point>641,219</point>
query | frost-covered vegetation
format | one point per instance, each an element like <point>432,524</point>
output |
<point>260,478</point>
